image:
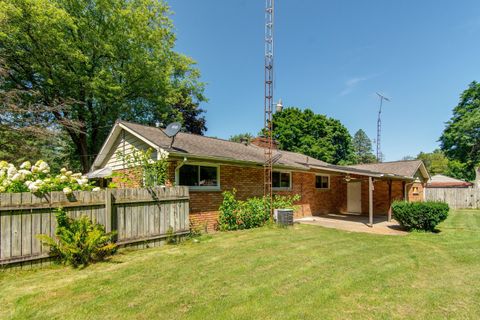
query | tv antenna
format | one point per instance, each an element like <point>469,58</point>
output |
<point>268,103</point>
<point>171,131</point>
<point>379,126</point>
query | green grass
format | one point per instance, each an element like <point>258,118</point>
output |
<point>302,272</point>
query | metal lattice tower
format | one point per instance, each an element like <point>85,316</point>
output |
<point>268,102</point>
<point>379,126</point>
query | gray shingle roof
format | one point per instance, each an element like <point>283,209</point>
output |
<point>406,168</point>
<point>207,147</point>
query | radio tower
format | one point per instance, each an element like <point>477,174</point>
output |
<point>268,102</point>
<point>379,126</point>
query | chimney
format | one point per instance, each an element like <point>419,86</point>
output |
<point>263,142</point>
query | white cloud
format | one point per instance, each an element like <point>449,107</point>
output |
<point>351,83</point>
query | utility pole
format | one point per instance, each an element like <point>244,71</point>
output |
<point>379,126</point>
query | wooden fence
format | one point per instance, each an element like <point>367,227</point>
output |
<point>138,215</point>
<point>457,198</point>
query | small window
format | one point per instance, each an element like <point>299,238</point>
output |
<point>198,176</point>
<point>281,180</point>
<point>415,190</point>
<point>322,182</point>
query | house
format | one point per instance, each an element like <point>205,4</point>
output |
<point>210,166</point>
<point>442,181</point>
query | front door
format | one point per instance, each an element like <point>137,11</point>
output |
<point>354,197</point>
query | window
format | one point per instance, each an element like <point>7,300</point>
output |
<point>322,182</point>
<point>281,180</point>
<point>198,176</point>
<point>415,190</point>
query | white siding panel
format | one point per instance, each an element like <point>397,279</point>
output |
<point>125,143</point>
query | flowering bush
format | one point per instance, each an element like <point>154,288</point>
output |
<point>38,179</point>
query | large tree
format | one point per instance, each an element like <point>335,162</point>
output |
<point>80,65</point>
<point>313,134</point>
<point>435,162</point>
<point>461,138</point>
<point>363,148</point>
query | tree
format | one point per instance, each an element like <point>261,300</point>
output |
<point>80,65</point>
<point>461,138</point>
<point>241,136</point>
<point>313,134</point>
<point>435,162</point>
<point>363,148</point>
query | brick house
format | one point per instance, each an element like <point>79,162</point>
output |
<point>210,166</point>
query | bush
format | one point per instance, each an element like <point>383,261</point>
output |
<point>251,213</point>
<point>79,242</point>
<point>420,215</point>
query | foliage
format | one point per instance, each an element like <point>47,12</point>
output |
<point>241,137</point>
<point>461,138</point>
<point>362,146</point>
<point>79,242</point>
<point>314,135</point>
<point>38,179</point>
<point>419,215</point>
<point>142,164</point>
<point>251,213</point>
<point>435,162</point>
<point>80,65</point>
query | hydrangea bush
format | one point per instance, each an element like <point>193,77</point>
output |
<point>38,179</point>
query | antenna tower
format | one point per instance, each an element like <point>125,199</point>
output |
<point>379,126</point>
<point>268,101</point>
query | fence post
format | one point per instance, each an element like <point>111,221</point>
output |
<point>108,210</point>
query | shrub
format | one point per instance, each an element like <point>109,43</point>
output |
<point>420,215</point>
<point>251,213</point>
<point>79,242</point>
<point>38,179</point>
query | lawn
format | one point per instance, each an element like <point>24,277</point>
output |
<point>269,273</point>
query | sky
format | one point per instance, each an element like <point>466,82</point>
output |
<point>332,56</point>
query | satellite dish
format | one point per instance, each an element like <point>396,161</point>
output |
<point>172,129</point>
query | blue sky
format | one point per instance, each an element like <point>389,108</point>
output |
<point>332,56</point>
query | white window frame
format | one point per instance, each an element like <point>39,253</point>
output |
<point>322,175</point>
<point>201,164</point>
<point>289,182</point>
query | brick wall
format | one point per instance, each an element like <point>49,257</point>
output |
<point>415,196</point>
<point>248,181</point>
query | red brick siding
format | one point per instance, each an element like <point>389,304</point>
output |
<point>248,181</point>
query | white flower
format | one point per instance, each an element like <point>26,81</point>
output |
<point>34,169</point>
<point>18,177</point>
<point>63,178</point>
<point>2,173</point>
<point>28,183</point>
<point>3,164</point>
<point>11,171</point>
<point>67,190</point>
<point>82,181</point>
<point>151,161</point>
<point>43,166</point>
<point>33,187</point>
<point>163,155</point>
<point>63,170</point>
<point>68,173</point>
<point>26,165</point>
<point>96,189</point>
<point>24,172</point>
<point>2,189</point>
<point>6,183</point>
<point>76,175</point>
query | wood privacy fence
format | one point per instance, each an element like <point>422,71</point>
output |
<point>138,215</point>
<point>457,198</point>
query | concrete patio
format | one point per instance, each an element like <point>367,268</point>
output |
<point>354,223</point>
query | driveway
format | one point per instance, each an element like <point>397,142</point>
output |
<point>354,223</point>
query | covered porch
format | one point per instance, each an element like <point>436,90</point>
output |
<point>364,200</point>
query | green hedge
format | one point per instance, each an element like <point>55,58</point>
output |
<point>251,213</point>
<point>419,215</point>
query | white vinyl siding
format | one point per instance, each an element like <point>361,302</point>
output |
<point>127,143</point>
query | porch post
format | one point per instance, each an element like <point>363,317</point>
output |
<point>370,202</point>
<point>389,216</point>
